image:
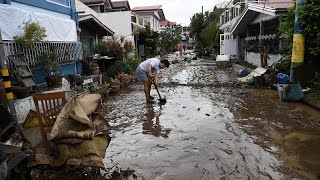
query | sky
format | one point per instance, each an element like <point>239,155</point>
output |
<point>179,11</point>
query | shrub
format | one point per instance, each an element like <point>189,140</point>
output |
<point>134,62</point>
<point>118,67</point>
<point>33,32</point>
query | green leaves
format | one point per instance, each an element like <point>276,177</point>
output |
<point>33,32</point>
<point>310,15</point>
<point>206,30</point>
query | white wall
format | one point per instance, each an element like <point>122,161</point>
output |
<point>229,46</point>
<point>82,7</point>
<point>254,58</point>
<point>119,22</point>
<point>36,9</point>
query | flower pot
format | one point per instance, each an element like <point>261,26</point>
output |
<point>127,83</point>
<point>95,70</point>
<point>20,92</point>
<point>54,81</point>
<point>106,95</point>
<point>122,84</point>
<point>115,88</point>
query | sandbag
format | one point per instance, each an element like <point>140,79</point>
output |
<point>97,146</point>
<point>89,102</point>
<point>72,122</point>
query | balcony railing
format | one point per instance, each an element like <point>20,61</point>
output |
<point>232,12</point>
<point>65,51</point>
<point>138,20</point>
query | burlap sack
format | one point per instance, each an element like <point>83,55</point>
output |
<point>89,102</point>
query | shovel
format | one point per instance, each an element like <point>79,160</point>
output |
<point>160,99</point>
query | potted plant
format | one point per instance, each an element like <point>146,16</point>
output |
<point>94,68</point>
<point>50,68</point>
<point>115,84</point>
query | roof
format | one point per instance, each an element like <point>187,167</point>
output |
<point>121,4</point>
<point>146,8</point>
<point>166,22</point>
<point>222,5</point>
<point>150,9</point>
<point>253,9</point>
<point>90,18</point>
<point>87,2</point>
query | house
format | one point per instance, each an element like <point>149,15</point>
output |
<point>153,14</point>
<point>164,25</point>
<point>59,18</point>
<point>185,30</point>
<point>249,27</point>
<point>115,15</point>
<point>92,31</point>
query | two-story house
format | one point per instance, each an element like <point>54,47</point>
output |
<point>58,17</point>
<point>116,15</point>
<point>250,26</point>
<point>164,25</point>
<point>152,14</point>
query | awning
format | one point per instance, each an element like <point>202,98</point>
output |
<point>93,23</point>
<point>252,10</point>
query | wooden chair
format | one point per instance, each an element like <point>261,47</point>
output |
<point>48,106</point>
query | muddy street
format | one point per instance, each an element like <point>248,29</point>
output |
<point>210,128</point>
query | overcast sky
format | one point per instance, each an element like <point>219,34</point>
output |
<point>179,11</point>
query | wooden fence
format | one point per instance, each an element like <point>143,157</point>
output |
<point>66,51</point>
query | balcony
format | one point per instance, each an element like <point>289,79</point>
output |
<point>138,21</point>
<point>231,14</point>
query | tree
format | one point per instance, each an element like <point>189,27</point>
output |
<point>204,27</point>
<point>309,15</point>
<point>151,42</point>
<point>170,38</point>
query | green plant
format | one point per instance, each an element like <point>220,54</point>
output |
<point>151,42</point>
<point>309,15</point>
<point>204,27</point>
<point>92,64</point>
<point>134,62</point>
<point>47,61</point>
<point>118,67</point>
<point>115,82</point>
<point>169,40</point>
<point>33,32</point>
<point>101,48</point>
<point>93,87</point>
<point>128,46</point>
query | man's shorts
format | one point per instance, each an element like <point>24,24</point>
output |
<point>141,74</point>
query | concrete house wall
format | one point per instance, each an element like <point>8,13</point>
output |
<point>119,22</point>
<point>52,9</point>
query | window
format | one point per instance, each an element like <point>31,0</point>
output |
<point>61,2</point>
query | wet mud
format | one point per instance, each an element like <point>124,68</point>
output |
<point>210,128</point>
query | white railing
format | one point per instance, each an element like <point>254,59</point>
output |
<point>66,51</point>
<point>232,12</point>
<point>138,20</point>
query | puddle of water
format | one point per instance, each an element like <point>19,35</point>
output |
<point>293,127</point>
<point>193,136</point>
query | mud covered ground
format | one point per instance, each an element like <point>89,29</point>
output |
<point>210,128</point>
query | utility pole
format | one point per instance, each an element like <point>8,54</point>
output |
<point>6,79</point>
<point>202,10</point>
<point>297,58</point>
